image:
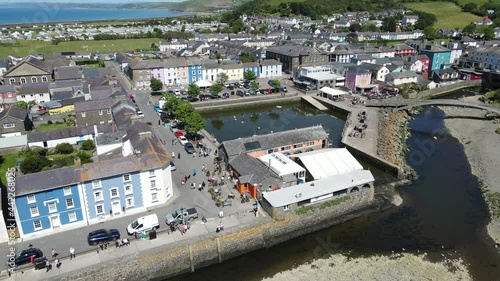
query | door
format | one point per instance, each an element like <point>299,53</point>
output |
<point>116,208</point>
<point>55,221</point>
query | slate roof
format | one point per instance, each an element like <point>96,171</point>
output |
<point>32,183</point>
<point>254,171</point>
<point>4,63</point>
<point>270,62</point>
<point>435,48</point>
<point>400,75</point>
<point>294,50</point>
<point>7,88</point>
<point>67,133</point>
<point>14,112</point>
<point>92,105</point>
<point>30,88</point>
<point>110,138</point>
<point>68,73</point>
<point>272,140</point>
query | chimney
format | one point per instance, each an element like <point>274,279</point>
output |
<point>78,163</point>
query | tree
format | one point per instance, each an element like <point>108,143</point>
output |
<point>156,85</point>
<point>249,75</point>
<point>216,88</point>
<point>194,122</point>
<point>84,157</point>
<point>469,30</point>
<point>64,148</point>
<point>246,57</point>
<point>183,110</point>
<point>222,77</point>
<point>430,32</point>
<point>254,85</point>
<point>388,24</point>
<point>34,164</point>
<point>355,27</point>
<point>469,7</point>
<point>237,26</point>
<point>21,104</point>
<point>488,33</point>
<point>87,145</point>
<point>171,102</point>
<point>193,90</point>
<point>275,83</point>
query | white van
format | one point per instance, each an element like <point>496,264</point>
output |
<point>143,224</point>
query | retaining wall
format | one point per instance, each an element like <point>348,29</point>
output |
<point>171,260</point>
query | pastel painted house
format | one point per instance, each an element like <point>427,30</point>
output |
<point>439,56</point>
<point>48,201</point>
<point>358,79</point>
<point>270,69</point>
<point>252,66</point>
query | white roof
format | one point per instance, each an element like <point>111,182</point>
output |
<point>321,76</point>
<point>329,162</point>
<point>13,141</point>
<point>317,188</point>
<point>203,83</point>
<point>281,164</point>
<point>332,92</point>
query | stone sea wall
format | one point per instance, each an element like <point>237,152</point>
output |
<point>172,260</point>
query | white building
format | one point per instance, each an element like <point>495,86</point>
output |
<point>399,78</point>
<point>173,46</point>
<point>211,72</point>
<point>283,166</point>
<point>37,92</point>
<point>270,69</point>
<point>409,20</point>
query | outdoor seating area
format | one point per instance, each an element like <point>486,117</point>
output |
<point>359,130</point>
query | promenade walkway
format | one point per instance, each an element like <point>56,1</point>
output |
<point>314,103</point>
<point>401,104</point>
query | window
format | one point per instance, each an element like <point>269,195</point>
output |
<point>154,197</point>
<point>126,178</point>
<point>98,196</point>
<point>129,202</point>
<point>34,211</point>
<point>101,122</point>
<point>199,71</point>
<point>99,209</point>
<point>96,184</point>
<point>33,79</point>
<point>100,112</point>
<point>44,79</point>
<point>194,72</point>
<point>83,114</point>
<point>22,80</point>
<point>31,198</point>
<point>12,81</point>
<point>108,111</point>
<point>69,203</point>
<point>114,192</point>
<point>152,173</point>
<point>309,143</point>
<point>37,225</point>
<point>67,190</point>
<point>9,125</point>
<point>286,207</point>
<point>52,207</point>
<point>72,216</point>
<point>285,148</point>
<point>128,189</point>
<point>153,183</point>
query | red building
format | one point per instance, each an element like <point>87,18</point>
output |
<point>403,50</point>
<point>7,96</point>
<point>470,74</point>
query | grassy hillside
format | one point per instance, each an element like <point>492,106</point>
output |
<point>478,2</point>
<point>448,14</point>
<point>25,47</point>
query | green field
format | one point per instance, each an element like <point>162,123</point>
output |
<point>478,2</point>
<point>277,2</point>
<point>6,162</point>
<point>448,14</point>
<point>25,47</point>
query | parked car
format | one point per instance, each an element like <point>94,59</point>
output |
<point>156,93</point>
<point>102,235</point>
<point>181,216</point>
<point>177,92</point>
<point>178,133</point>
<point>183,140</point>
<point>140,114</point>
<point>143,224</point>
<point>225,95</point>
<point>189,148</point>
<point>270,82</point>
<point>240,93</point>
<point>284,89</point>
<point>215,96</point>
<point>172,166</point>
<point>171,92</point>
<point>25,255</point>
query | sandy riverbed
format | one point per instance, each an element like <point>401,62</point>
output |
<point>385,268</point>
<point>482,148</point>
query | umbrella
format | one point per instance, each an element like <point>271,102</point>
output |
<point>203,83</point>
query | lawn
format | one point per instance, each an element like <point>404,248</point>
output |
<point>478,2</point>
<point>448,14</point>
<point>50,127</point>
<point>7,161</point>
<point>25,47</point>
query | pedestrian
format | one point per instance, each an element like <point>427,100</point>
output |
<point>203,168</point>
<point>54,253</point>
<point>179,155</point>
<point>159,122</point>
<point>72,253</point>
<point>173,141</point>
<point>173,154</point>
<point>194,172</point>
<point>47,265</point>
<point>57,263</point>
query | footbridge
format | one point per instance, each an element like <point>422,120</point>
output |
<point>407,104</point>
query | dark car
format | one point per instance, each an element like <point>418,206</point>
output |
<point>284,89</point>
<point>215,96</point>
<point>225,95</point>
<point>103,235</point>
<point>189,98</point>
<point>230,87</point>
<point>189,148</point>
<point>156,93</point>
<point>246,86</point>
<point>25,255</point>
<point>204,96</point>
<point>240,93</point>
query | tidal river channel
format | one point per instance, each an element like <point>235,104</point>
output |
<point>442,212</point>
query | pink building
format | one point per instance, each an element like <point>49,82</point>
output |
<point>7,96</point>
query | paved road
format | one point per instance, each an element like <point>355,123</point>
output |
<point>183,197</point>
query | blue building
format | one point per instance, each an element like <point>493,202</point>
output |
<point>439,56</point>
<point>48,200</point>
<point>195,70</point>
<point>252,66</point>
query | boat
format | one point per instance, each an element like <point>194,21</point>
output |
<point>278,106</point>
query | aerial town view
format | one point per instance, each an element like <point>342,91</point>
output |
<point>278,140</point>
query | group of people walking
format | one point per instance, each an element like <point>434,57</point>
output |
<point>55,256</point>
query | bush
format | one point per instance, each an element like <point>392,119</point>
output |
<point>498,131</point>
<point>49,122</point>
<point>64,148</point>
<point>87,145</point>
<point>84,157</point>
<point>304,210</point>
<point>34,164</point>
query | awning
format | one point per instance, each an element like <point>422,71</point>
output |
<point>332,92</point>
<point>369,86</point>
<point>203,83</point>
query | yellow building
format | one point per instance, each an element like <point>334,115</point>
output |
<point>233,71</point>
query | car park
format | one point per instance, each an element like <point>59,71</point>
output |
<point>102,235</point>
<point>182,140</point>
<point>171,92</point>
<point>25,255</point>
<point>204,97</point>
<point>252,92</point>
<point>189,148</point>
